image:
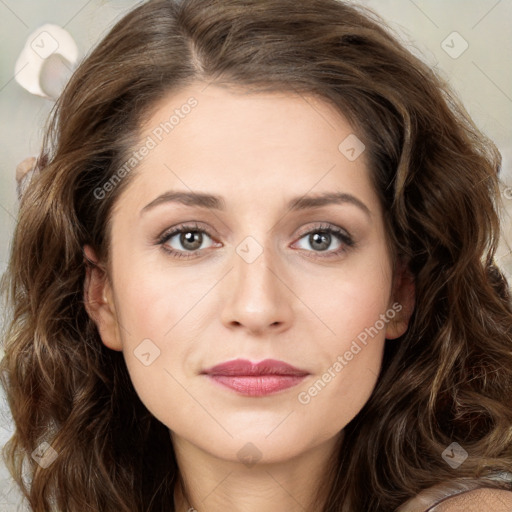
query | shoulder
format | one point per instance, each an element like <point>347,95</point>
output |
<point>478,500</point>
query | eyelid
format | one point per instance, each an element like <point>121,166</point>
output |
<point>324,226</point>
<point>191,226</point>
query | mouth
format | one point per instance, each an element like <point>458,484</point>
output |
<point>260,379</point>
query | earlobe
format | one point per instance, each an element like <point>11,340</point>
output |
<point>404,297</point>
<point>99,302</point>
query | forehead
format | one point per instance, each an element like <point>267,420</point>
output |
<point>272,119</point>
<point>236,142</point>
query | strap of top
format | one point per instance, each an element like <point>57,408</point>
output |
<point>428,499</point>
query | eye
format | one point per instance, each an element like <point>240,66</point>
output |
<point>322,237</point>
<point>190,240</point>
<point>186,240</point>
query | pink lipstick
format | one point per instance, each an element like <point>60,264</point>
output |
<point>264,378</point>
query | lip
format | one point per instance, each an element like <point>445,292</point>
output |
<point>255,379</point>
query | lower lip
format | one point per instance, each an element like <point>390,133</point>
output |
<point>257,385</point>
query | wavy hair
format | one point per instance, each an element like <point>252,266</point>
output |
<point>447,379</point>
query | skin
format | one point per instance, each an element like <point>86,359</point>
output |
<point>292,303</point>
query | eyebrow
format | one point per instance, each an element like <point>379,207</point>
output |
<point>213,202</point>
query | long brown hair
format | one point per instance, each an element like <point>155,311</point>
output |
<point>447,379</point>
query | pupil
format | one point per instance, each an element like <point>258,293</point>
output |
<point>188,238</point>
<point>318,237</point>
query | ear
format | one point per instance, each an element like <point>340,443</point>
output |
<point>403,300</point>
<point>98,300</point>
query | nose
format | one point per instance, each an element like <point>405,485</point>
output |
<point>258,296</point>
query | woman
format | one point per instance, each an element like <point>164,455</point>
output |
<point>178,341</point>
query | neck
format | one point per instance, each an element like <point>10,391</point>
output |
<point>214,485</point>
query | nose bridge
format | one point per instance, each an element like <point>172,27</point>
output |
<point>258,297</point>
<point>254,265</point>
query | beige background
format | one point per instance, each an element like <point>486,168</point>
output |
<point>482,75</point>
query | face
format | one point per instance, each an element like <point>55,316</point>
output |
<point>251,273</point>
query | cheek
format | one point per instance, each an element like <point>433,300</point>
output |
<point>151,300</point>
<point>350,353</point>
<point>349,365</point>
<point>158,315</point>
<point>332,399</point>
<point>154,349</point>
<point>352,298</point>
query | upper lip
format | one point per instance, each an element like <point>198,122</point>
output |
<point>246,368</point>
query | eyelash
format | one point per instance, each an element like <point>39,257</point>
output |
<point>344,238</point>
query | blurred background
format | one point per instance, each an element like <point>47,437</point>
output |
<point>468,41</point>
